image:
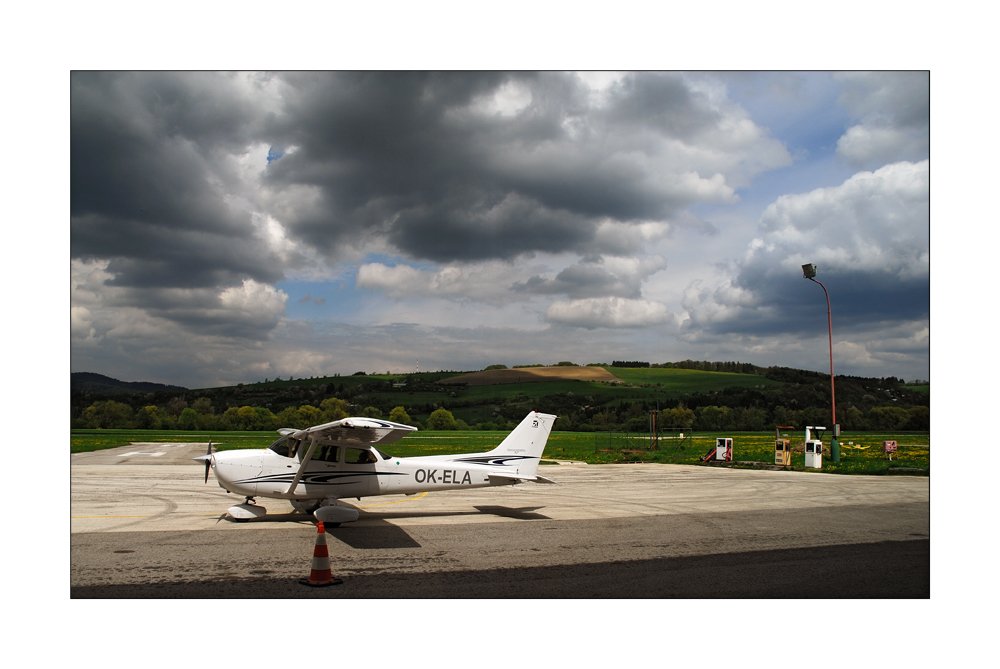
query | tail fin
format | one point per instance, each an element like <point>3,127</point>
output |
<point>525,444</point>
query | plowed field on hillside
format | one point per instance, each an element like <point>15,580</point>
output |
<point>495,377</point>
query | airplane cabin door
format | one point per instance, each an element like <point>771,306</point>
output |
<point>361,463</point>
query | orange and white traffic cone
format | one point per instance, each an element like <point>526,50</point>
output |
<point>320,574</point>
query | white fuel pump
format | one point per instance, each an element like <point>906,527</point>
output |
<point>814,448</point>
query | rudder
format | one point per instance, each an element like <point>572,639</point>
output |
<point>527,442</point>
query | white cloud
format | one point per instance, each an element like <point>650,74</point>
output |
<point>874,221</point>
<point>487,282</point>
<point>81,327</point>
<point>102,310</point>
<point>499,283</point>
<point>257,300</point>
<point>869,234</point>
<point>894,113</point>
<point>625,238</point>
<point>611,276</point>
<point>721,304</point>
<point>607,312</point>
<point>864,145</point>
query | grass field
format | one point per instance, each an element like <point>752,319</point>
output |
<point>592,447</point>
<point>689,380</point>
<point>83,441</point>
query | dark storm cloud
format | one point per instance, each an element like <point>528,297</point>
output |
<point>402,155</point>
<point>151,255</point>
<point>445,166</point>
<point>143,146</point>
<point>663,103</point>
<point>859,301</point>
<point>187,185</point>
<point>153,184</point>
<point>414,157</point>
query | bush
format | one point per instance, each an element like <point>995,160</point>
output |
<point>399,415</point>
<point>442,419</point>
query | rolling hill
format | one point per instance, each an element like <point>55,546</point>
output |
<point>105,385</point>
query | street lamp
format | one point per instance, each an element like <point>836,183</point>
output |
<point>809,272</point>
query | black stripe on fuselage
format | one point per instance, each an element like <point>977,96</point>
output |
<point>499,460</point>
<point>318,478</point>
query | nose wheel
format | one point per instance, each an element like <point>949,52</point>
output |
<point>247,510</point>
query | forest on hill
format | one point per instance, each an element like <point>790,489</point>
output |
<point>698,395</point>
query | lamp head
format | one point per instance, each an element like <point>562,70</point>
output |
<point>808,271</point>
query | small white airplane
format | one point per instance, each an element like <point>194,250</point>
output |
<point>315,467</point>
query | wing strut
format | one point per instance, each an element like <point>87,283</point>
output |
<point>305,463</point>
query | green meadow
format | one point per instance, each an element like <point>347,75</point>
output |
<point>672,379</point>
<point>84,441</point>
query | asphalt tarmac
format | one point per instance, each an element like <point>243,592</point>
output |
<point>145,525</point>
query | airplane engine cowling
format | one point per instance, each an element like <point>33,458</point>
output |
<point>336,514</point>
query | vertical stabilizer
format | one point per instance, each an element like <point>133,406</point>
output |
<point>525,444</point>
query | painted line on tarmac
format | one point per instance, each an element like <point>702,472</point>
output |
<point>188,515</point>
<point>408,499</point>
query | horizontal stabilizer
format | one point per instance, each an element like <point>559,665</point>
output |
<point>511,479</point>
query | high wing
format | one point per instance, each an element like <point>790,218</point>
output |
<point>355,431</point>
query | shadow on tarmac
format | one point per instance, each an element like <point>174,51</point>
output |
<point>375,534</point>
<point>378,533</point>
<point>526,513</point>
<point>885,570</point>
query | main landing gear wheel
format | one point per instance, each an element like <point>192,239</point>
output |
<point>306,505</point>
<point>333,515</point>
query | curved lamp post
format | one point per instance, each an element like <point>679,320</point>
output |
<point>809,272</point>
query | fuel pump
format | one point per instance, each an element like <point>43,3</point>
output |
<point>814,447</point>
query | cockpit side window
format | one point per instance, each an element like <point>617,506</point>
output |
<point>280,446</point>
<point>357,456</point>
<point>327,453</point>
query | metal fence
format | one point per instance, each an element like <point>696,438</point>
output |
<point>665,439</point>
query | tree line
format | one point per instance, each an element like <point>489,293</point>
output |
<point>802,398</point>
<point>201,416</point>
<point>632,416</point>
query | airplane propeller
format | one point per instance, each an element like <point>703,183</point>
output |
<point>208,460</point>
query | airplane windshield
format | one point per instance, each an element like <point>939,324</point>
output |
<point>385,456</point>
<point>280,447</point>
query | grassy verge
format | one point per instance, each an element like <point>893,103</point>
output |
<point>594,448</point>
<point>84,441</point>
